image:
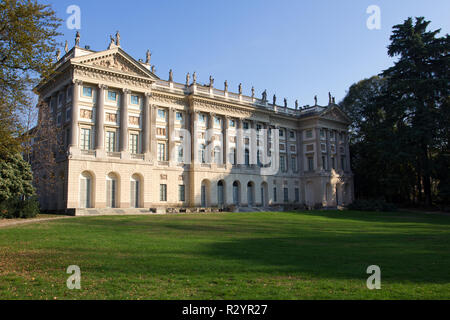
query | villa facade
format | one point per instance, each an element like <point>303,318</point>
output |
<point>134,141</point>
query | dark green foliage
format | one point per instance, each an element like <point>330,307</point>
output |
<point>400,142</point>
<point>15,178</point>
<point>372,205</point>
<point>18,208</point>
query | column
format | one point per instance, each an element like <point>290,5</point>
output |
<point>239,143</point>
<point>318,151</point>
<point>300,160</point>
<point>170,137</point>
<point>209,139</point>
<point>347,153</point>
<point>75,114</point>
<point>146,126</point>
<point>253,143</point>
<point>100,122</point>
<point>338,153</point>
<point>328,168</point>
<point>194,138</point>
<point>153,146</point>
<point>124,121</point>
<point>226,140</point>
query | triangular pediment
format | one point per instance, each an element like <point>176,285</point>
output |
<point>115,60</point>
<point>336,114</point>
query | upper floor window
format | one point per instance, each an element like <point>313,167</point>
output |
<point>292,134</point>
<point>322,133</point>
<point>112,95</point>
<point>245,125</point>
<point>134,99</point>
<point>87,92</point>
<point>162,114</point>
<point>110,141</point>
<point>309,134</point>
<point>281,133</point>
<point>162,152</point>
<point>202,118</point>
<point>69,93</point>
<point>179,116</point>
<point>85,136</point>
<point>232,123</point>
<point>134,143</point>
<point>217,121</point>
<point>283,163</point>
<point>331,134</point>
<point>310,164</point>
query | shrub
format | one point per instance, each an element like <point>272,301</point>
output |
<point>371,205</point>
<point>17,208</point>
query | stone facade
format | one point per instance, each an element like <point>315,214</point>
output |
<point>122,128</point>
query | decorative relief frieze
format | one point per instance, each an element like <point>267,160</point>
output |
<point>111,117</point>
<point>112,78</point>
<point>85,114</point>
<point>133,120</point>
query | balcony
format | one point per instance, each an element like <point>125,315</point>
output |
<point>137,156</point>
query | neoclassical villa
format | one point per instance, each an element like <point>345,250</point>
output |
<point>135,142</point>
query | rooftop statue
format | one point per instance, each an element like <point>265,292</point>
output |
<point>66,47</point>
<point>253,92</point>
<point>296,104</point>
<point>194,78</point>
<point>77,39</point>
<point>274,99</point>
<point>226,85</point>
<point>118,39</point>
<point>285,102</point>
<point>58,54</point>
<point>315,100</point>
<point>240,88</point>
<point>188,78</point>
<point>148,56</point>
<point>211,81</point>
<point>170,75</point>
<point>153,69</point>
<point>264,96</point>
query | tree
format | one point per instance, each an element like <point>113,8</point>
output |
<point>15,178</point>
<point>27,45</point>
<point>420,82</point>
<point>400,121</point>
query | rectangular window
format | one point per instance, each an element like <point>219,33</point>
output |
<point>245,125</point>
<point>85,142</point>
<point>161,152</point>
<point>281,133</point>
<point>134,143</point>
<point>179,116</point>
<point>274,194</point>
<point>310,164</point>
<point>297,195</point>
<point>112,95</point>
<point>161,131</point>
<point>294,163</point>
<point>333,163</point>
<point>69,94</point>
<point>87,92</point>
<point>181,193</point>
<point>162,114</point>
<point>134,99</point>
<point>324,162</point>
<point>202,118</point>
<point>286,194</point>
<point>163,192</point>
<point>322,133</point>
<point>217,122</point>
<point>283,163</point>
<point>309,134</point>
<point>343,163</point>
<point>110,141</point>
<point>232,123</point>
<point>292,134</point>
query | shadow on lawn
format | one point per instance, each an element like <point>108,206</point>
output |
<point>390,217</point>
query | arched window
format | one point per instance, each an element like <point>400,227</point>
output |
<point>111,191</point>
<point>220,193</point>
<point>85,190</point>
<point>135,191</point>
<point>236,190</point>
<point>250,194</point>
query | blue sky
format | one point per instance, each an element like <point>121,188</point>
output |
<point>296,49</point>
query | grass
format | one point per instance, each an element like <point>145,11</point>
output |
<point>307,255</point>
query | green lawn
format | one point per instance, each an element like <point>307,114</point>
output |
<point>308,255</point>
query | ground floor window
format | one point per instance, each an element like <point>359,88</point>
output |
<point>181,193</point>
<point>163,192</point>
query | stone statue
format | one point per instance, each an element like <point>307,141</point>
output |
<point>188,76</point>
<point>274,99</point>
<point>296,104</point>
<point>58,54</point>
<point>253,92</point>
<point>285,102</point>
<point>111,41</point>
<point>226,85</point>
<point>264,96</point>
<point>211,81</point>
<point>315,100</point>
<point>77,39</point>
<point>118,39</point>
<point>330,99</point>
<point>333,101</point>
<point>148,56</point>
<point>153,69</point>
<point>170,75</point>
<point>240,88</point>
<point>66,47</point>
<point>194,78</point>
